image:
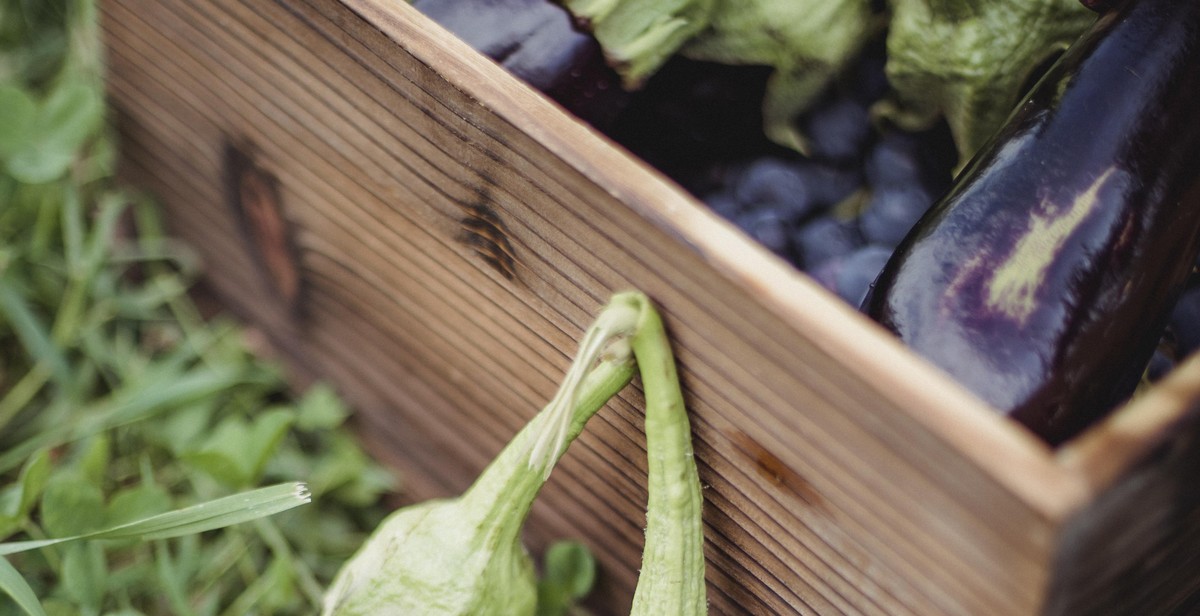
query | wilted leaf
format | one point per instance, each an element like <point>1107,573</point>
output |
<point>969,60</point>
<point>807,42</point>
<point>638,36</point>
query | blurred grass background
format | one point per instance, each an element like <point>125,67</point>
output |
<point>118,398</point>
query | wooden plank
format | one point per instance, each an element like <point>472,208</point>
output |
<point>844,477</point>
<point>1135,550</point>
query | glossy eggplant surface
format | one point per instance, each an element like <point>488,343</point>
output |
<point>1044,278</point>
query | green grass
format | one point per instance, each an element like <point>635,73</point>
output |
<point>120,404</point>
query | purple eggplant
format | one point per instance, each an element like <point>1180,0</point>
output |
<point>1043,280</point>
<point>537,41</point>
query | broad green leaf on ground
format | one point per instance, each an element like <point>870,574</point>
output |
<point>85,574</point>
<point>137,502</point>
<point>71,505</point>
<point>32,480</point>
<point>237,451</point>
<point>69,116</point>
<point>320,409</point>
<point>969,61</point>
<point>347,473</point>
<point>569,572</point>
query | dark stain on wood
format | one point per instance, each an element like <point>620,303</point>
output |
<point>253,195</point>
<point>774,470</point>
<point>484,232</point>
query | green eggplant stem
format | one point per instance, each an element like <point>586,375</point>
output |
<point>464,555</point>
<point>672,576</point>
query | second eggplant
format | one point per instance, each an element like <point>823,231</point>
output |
<point>1044,279</point>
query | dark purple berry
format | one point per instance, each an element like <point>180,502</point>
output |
<point>830,185</point>
<point>775,183</point>
<point>851,276</point>
<point>892,212</point>
<point>768,227</point>
<point>893,160</point>
<point>826,238</point>
<point>837,130</point>
<point>723,204</point>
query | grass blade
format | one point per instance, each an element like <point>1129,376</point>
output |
<point>15,586</point>
<point>33,334</point>
<point>131,403</point>
<point>206,516</point>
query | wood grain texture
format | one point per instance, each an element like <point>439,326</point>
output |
<point>455,232</point>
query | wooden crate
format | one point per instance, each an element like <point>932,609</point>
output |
<point>431,235</point>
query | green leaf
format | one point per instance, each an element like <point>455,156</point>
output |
<point>17,113</point>
<point>639,36</point>
<point>163,390</point>
<point>219,465</point>
<point>807,42</point>
<point>135,503</point>
<point>172,578</point>
<point>320,409</point>
<point>93,462</point>
<point>570,573</point>
<point>180,430</point>
<point>71,505</point>
<point>15,586</point>
<point>967,61</point>
<point>70,115</point>
<point>55,606</point>
<point>32,480</point>
<point>84,574</point>
<point>237,451</point>
<point>32,332</point>
<point>347,473</point>
<point>571,565</point>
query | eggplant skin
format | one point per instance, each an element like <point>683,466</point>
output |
<point>1044,279</point>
